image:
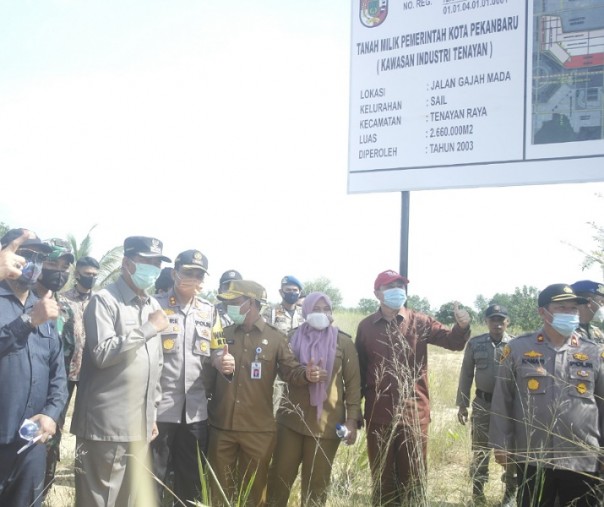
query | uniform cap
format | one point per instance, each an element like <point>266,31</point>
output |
<point>86,261</point>
<point>588,287</point>
<point>496,311</point>
<point>246,288</point>
<point>386,277</point>
<point>230,275</point>
<point>34,243</point>
<point>145,247</point>
<point>191,259</point>
<point>559,292</point>
<point>60,248</point>
<point>291,280</point>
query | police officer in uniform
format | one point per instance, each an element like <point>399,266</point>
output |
<point>548,403</point>
<point>593,310</point>
<point>182,413</point>
<point>480,363</point>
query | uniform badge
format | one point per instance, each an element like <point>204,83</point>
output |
<point>581,357</point>
<point>583,373</point>
<point>203,345</point>
<point>205,333</point>
<point>540,338</point>
<point>533,384</point>
<point>581,388</point>
<point>168,343</point>
<point>175,328</point>
<point>373,12</point>
<point>574,342</point>
<point>265,342</point>
<point>204,314</point>
<point>167,311</point>
<point>505,353</point>
<point>533,353</point>
<point>172,301</point>
<point>540,370</point>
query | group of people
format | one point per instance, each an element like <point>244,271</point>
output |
<point>170,384</point>
<point>539,401</point>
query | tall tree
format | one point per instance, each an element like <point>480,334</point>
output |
<point>367,305</point>
<point>419,304</point>
<point>521,305</point>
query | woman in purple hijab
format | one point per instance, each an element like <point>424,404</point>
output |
<point>308,415</point>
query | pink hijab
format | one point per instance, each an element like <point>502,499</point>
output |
<point>309,344</point>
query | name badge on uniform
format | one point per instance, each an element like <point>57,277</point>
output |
<point>256,372</point>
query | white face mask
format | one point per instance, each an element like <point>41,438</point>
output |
<point>599,315</point>
<point>318,320</point>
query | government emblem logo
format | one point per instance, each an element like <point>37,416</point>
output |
<point>373,12</point>
<point>581,388</point>
<point>168,344</point>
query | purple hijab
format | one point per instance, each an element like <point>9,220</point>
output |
<point>309,344</point>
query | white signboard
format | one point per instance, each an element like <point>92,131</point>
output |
<point>468,93</point>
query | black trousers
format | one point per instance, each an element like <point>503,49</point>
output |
<point>539,487</point>
<point>175,448</point>
<point>21,475</point>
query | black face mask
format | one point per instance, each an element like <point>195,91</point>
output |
<point>53,279</point>
<point>86,281</point>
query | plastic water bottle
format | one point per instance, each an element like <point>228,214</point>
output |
<point>342,431</point>
<point>28,429</point>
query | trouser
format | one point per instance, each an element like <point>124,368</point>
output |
<point>176,447</point>
<point>538,486</point>
<point>240,460</point>
<point>22,475</point>
<point>53,456</point>
<point>479,469</point>
<point>398,461</point>
<point>112,474</point>
<point>316,456</point>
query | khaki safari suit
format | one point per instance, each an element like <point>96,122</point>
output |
<point>242,434</point>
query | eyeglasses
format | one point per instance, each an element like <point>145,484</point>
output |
<point>32,255</point>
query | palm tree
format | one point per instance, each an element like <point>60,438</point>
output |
<point>109,262</point>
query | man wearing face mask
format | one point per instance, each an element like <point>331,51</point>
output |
<point>182,413</point>
<point>115,409</point>
<point>54,276</point>
<point>547,411</point>
<point>240,410</point>
<point>32,375</point>
<point>592,311</point>
<point>392,345</point>
<point>285,316</point>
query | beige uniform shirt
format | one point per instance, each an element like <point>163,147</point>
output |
<point>243,403</point>
<point>121,365</point>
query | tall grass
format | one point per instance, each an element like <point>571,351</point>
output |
<point>449,454</point>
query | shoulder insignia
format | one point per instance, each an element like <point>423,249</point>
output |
<point>580,357</point>
<point>172,301</point>
<point>581,388</point>
<point>505,353</point>
<point>533,353</point>
<point>168,343</point>
<point>533,384</point>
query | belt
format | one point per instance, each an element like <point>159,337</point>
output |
<point>484,396</point>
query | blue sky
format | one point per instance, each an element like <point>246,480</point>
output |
<point>223,127</point>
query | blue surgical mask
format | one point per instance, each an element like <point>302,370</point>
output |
<point>395,298</point>
<point>291,297</point>
<point>234,312</point>
<point>30,274</point>
<point>145,275</point>
<point>565,323</point>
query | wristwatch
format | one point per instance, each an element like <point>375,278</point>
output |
<point>26,318</point>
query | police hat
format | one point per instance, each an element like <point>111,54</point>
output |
<point>230,275</point>
<point>559,292</point>
<point>496,311</point>
<point>191,259</point>
<point>246,288</point>
<point>291,280</point>
<point>33,243</point>
<point>588,287</point>
<point>145,247</point>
